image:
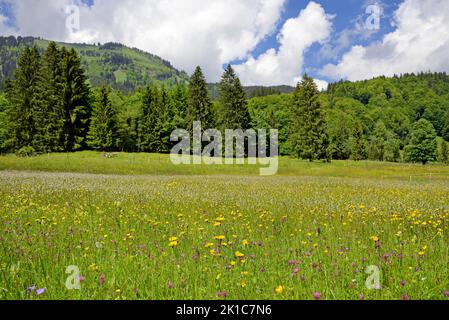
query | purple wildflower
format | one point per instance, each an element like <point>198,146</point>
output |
<point>170,285</point>
<point>223,294</point>
<point>317,295</point>
<point>30,289</point>
<point>405,297</point>
<point>403,283</point>
<point>40,291</point>
<point>446,293</point>
<point>102,279</point>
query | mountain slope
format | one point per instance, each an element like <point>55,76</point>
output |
<point>122,68</point>
<point>114,64</point>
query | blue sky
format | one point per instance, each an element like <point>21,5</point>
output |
<point>268,41</point>
<point>347,14</point>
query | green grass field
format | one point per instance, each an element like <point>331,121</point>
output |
<point>138,227</point>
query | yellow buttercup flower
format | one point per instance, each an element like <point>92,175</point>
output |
<point>238,254</point>
<point>279,290</point>
<point>173,244</point>
<point>245,243</point>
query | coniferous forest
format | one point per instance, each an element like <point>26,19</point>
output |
<point>48,105</point>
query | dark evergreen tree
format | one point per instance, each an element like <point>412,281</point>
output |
<point>165,124</point>
<point>309,138</point>
<point>76,101</point>
<point>149,120</point>
<point>51,116</point>
<point>179,96</point>
<point>25,96</point>
<point>233,107</point>
<point>423,144</point>
<point>103,125</point>
<point>4,108</point>
<point>199,106</point>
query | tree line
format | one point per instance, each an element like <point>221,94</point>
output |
<point>50,107</point>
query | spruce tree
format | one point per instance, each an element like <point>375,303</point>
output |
<point>358,143</point>
<point>25,96</point>
<point>149,120</point>
<point>309,139</point>
<point>51,116</point>
<point>233,106</point>
<point>75,100</point>
<point>103,125</point>
<point>423,144</point>
<point>165,124</point>
<point>199,105</point>
<point>179,96</point>
<point>4,108</point>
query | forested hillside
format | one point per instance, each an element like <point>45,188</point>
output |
<point>384,108</point>
<point>50,107</point>
<point>113,64</point>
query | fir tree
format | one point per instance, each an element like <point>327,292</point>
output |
<point>309,139</point>
<point>75,100</point>
<point>199,106</point>
<point>179,96</point>
<point>103,126</point>
<point>51,116</point>
<point>25,96</point>
<point>233,107</point>
<point>148,124</point>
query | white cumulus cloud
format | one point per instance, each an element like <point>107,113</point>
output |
<point>284,66</point>
<point>419,43</point>
<point>187,33</point>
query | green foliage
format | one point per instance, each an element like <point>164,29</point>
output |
<point>25,94</point>
<point>179,96</point>
<point>49,97</point>
<point>383,145</point>
<point>156,121</point>
<point>444,152</point>
<point>75,101</point>
<point>272,112</point>
<point>423,144</point>
<point>445,131</point>
<point>122,68</point>
<point>339,126</point>
<point>103,126</point>
<point>233,107</point>
<point>309,139</point>
<point>358,143</point>
<point>4,106</point>
<point>199,106</point>
<point>27,151</point>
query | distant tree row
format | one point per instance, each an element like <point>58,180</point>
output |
<point>49,107</point>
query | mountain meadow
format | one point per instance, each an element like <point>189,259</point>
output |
<point>91,206</point>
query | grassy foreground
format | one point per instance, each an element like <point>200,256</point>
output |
<point>139,228</point>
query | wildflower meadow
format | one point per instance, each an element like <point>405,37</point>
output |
<point>315,231</point>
